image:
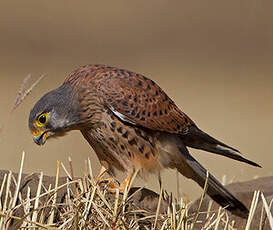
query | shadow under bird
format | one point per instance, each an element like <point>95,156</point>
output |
<point>132,125</point>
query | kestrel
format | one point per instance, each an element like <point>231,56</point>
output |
<point>132,125</point>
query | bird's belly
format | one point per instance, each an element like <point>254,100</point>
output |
<point>104,151</point>
<point>125,147</point>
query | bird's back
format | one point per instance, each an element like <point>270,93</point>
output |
<point>134,97</point>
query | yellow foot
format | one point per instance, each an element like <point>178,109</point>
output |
<point>110,184</point>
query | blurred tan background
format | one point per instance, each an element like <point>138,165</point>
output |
<point>214,58</point>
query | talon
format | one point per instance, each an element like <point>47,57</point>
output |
<point>108,181</point>
<point>110,184</point>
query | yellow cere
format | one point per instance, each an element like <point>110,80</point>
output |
<point>37,133</point>
<point>42,120</point>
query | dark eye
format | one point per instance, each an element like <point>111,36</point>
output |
<point>42,119</point>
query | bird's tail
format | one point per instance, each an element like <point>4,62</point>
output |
<point>198,139</point>
<point>192,169</point>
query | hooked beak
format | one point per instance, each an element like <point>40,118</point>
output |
<point>40,138</point>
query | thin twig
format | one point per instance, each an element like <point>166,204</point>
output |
<point>23,92</point>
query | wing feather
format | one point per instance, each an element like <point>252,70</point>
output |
<point>140,101</point>
<point>132,97</point>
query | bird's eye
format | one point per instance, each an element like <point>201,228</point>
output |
<point>42,119</point>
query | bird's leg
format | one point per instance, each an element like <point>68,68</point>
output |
<point>108,182</point>
<point>121,187</point>
<point>127,182</point>
<point>102,171</point>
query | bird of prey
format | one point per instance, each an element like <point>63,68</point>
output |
<point>132,125</point>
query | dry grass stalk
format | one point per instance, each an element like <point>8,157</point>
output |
<point>201,200</point>
<point>87,206</point>
<point>267,210</point>
<point>24,91</point>
<point>158,205</point>
<point>252,209</point>
<point>50,220</point>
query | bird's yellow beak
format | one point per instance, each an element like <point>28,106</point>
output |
<point>39,136</point>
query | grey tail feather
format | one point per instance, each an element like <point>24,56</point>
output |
<point>214,188</point>
<point>198,139</point>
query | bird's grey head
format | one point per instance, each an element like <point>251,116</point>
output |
<point>54,114</point>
